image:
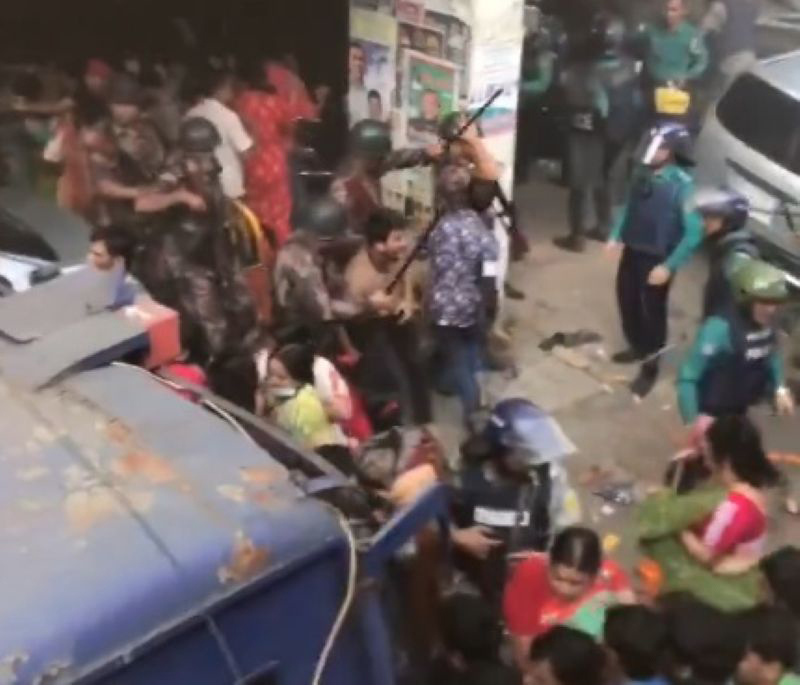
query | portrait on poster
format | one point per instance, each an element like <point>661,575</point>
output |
<point>431,91</point>
<point>371,66</point>
<point>424,39</point>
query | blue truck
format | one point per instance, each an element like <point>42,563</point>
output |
<point>150,539</point>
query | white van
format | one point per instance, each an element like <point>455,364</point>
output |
<point>751,142</point>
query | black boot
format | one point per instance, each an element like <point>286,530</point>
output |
<point>626,357</point>
<point>571,243</point>
<point>644,383</point>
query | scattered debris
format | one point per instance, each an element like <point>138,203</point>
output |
<point>569,340</point>
<point>792,506</point>
<point>571,358</point>
<point>622,494</point>
<point>607,510</point>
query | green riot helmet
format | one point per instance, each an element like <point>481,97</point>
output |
<point>198,136</point>
<point>758,281</point>
<point>325,218</point>
<point>371,139</point>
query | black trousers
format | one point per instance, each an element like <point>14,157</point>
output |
<point>642,307</point>
<point>392,363</point>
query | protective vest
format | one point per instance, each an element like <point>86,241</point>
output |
<point>739,379</point>
<point>621,83</point>
<point>718,296</point>
<point>582,112</point>
<point>739,32</point>
<point>654,223</point>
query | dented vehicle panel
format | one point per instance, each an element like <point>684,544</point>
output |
<point>147,541</point>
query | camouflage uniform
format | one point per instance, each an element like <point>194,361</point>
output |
<point>361,193</point>
<point>198,268</point>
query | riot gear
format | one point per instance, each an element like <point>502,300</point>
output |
<point>758,281</point>
<point>325,218</point>
<point>198,136</point>
<point>731,206</point>
<point>371,139</point>
<point>672,136</point>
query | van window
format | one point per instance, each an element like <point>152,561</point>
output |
<point>764,118</point>
<point>18,239</point>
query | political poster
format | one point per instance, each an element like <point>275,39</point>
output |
<point>371,65</point>
<point>431,91</point>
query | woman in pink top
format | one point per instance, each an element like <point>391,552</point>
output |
<point>732,540</point>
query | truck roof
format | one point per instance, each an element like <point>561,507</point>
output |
<point>125,509</point>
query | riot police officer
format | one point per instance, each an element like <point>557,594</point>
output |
<point>725,213</point>
<point>190,259</point>
<point>735,362</point>
<point>659,233</point>
<point>513,485</point>
<point>357,184</point>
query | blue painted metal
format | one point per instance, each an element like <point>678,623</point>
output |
<point>432,505</point>
<point>145,540</point>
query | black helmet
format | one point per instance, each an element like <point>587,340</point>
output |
<point>198,136</point>
<point>371,139</point>
<point>325,218</point>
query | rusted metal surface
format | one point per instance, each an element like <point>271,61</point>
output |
<point>124,508</point>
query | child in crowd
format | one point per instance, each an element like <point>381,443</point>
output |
<point>565,656</point>
<point>771,647</point>
<point>472,636</point>
<point>636,641</point>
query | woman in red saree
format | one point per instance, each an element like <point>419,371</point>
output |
<point>267,183</point>
<point>573,586</point>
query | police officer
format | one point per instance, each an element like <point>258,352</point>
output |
<point>725,213</point>
<point>538,75</point>
<point>659,233</point>
<point>618,73</point>
<point>587,107</point>
<point>512,485</point>
<point>192,260</point>
<point>357,184</point>
<point>735,362</point>
<point>675,50</point>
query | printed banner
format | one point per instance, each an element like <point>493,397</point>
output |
<point>371,66</point>
<point>431,91</point>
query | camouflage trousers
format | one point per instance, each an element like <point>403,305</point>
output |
<point>215,306</point>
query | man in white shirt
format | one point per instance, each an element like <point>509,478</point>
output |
<point>215,106</point>
<point>357,94</point>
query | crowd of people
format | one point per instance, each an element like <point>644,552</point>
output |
<point>324,312</point>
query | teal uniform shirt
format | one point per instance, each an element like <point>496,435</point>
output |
<point>537,80</point>
<point>714,338</point>
<point>678,55</point>
<point>692,221</point>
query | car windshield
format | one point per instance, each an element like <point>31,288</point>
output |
<point>17,239</point>
<point>742,109</point>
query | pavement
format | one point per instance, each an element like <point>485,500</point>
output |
<point>587,393</point>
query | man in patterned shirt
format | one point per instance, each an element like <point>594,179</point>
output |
<point>463,294</point>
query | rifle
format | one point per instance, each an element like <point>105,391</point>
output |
<point>423,239</point>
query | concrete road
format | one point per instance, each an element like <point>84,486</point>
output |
<point>567,292</point>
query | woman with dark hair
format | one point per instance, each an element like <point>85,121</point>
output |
<point>267,182</point>
<point>731,540</point>
<point>573,586</point>
<point>292,401</point>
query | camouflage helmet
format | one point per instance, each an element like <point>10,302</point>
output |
<point>325,218</point>
<point>758,281</point>
<point>198,136</point>
<point>371,139</point>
